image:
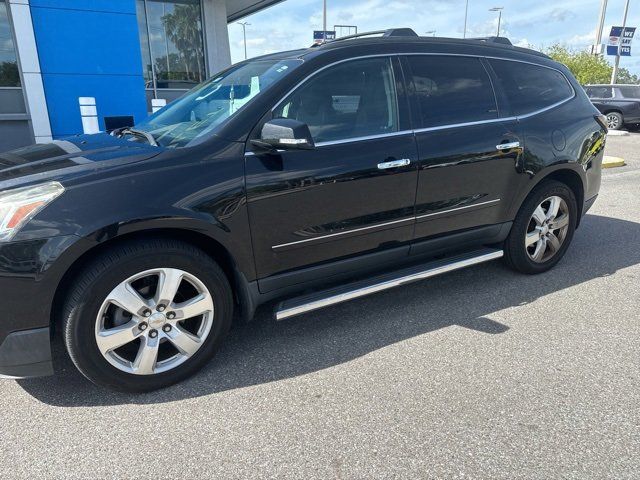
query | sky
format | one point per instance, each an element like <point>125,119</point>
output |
<point>536,23</point>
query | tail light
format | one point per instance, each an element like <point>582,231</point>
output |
<point>602,120</point>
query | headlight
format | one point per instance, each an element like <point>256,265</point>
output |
<point>19,206</point>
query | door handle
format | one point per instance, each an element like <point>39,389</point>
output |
<point>394,164</point>
<point>508,146</point>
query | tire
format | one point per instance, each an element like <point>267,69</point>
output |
<point>519,252</point>
<point>169,344</point>
<point>615,121</point>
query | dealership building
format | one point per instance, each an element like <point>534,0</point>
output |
<point>112,56</point>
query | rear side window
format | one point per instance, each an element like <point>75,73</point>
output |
<point>451,90</point>
<point>630,91</point>
<point>529,88</point>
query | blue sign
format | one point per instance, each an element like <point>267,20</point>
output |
<point>621,39</point>
<point>320,35</point>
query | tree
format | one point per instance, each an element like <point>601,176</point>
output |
<point>585,67</point>
<point>625,76</point>
<point>184,30</point>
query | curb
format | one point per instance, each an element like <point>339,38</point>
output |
<point>612,162</point>
<point>618,133</point>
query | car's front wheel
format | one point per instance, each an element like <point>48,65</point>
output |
<point>147,314</point>
<point>615,121</point>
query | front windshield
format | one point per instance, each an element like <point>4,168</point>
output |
<point>207,106</point>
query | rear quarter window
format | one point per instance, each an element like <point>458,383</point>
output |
<point>528,88</point>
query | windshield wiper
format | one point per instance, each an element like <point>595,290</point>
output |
<point>139,133</point>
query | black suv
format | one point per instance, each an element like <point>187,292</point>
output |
<point>313,176</point>
<point>620,104</point>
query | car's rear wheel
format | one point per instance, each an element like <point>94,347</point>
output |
<point>147,314</point>
<point>615,121</point>
<point>543,229</point>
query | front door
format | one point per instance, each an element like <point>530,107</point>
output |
<point>469,156</point>
<point>355,192</point>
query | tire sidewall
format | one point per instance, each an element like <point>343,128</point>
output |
<point>80,328</point>
<point>515,245</point>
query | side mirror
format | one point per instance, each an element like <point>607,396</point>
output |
<point>285,134</point>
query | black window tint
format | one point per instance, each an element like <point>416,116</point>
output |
<point>599,92</point>
<point>631,91</point>
<point>451,90</point>
<point>530,87</point>
<point>353,99</point>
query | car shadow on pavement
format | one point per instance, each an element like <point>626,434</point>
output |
<point>267,351</point>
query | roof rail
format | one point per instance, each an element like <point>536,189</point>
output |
<point>501,40</point>
<point>391,32</point>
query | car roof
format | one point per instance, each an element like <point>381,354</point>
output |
<point>407,41</point>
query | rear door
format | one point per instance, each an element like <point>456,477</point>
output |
<point>468,153</point>
<point>355,192</point>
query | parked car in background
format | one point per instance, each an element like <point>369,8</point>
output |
<point>619,103</point>
<point>313,176</point>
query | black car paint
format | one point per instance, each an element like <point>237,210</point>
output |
<point>239,204</point>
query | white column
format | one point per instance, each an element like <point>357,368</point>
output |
<point>89,115</point>
<point>33,87</point>
<point>216,35</point>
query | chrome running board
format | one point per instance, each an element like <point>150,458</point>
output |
<point>344,293</point>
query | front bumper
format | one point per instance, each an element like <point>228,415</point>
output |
<point>26,353</point>
<point>30,272</point>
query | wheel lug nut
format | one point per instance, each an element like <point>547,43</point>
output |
<point>171,315</point>
<point>166,328</point>
<point>147,313</point>
<point>161,308</point>
<point>143,326</point>
<point>153,333</point>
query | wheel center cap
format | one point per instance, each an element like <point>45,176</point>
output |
<point>157,320</point>
<point>545,230</point>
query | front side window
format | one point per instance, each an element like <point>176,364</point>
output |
<point>599,92</point>
<point>528,87</point>
<point>171,43</point>
<point>349,100</point>
<point>451,90</point>
<point>210,104</point>
<point>9,75</point>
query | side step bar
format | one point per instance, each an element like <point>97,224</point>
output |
<point>344,293</point>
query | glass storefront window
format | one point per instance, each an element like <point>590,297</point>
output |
<point>9,74</point>
<point>172,43</point>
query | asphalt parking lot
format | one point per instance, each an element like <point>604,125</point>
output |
<point>482,373</point>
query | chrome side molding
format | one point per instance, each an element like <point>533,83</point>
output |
<point>308,303</point>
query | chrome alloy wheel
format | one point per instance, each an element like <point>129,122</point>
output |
<point>613,121</point>
<point>154,321</point>
<point>547,229</point>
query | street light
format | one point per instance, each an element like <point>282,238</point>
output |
<point>244,34</point>
<point>431,32</point>
<point>499,10</point>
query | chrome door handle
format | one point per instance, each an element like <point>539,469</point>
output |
<point>394,164</point>
<point>508,146</point>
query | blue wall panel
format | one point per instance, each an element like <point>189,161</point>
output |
<point>86,49</point>
<point>121,6</point>
<point>112,93</point>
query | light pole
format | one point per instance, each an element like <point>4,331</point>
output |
<point>324,21</point>
<point>499,10</point>
<point>614,74</point>
<point>466,13</point>
<point>603,12</point>
<point>431,32</point>
<point>244,35</point>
